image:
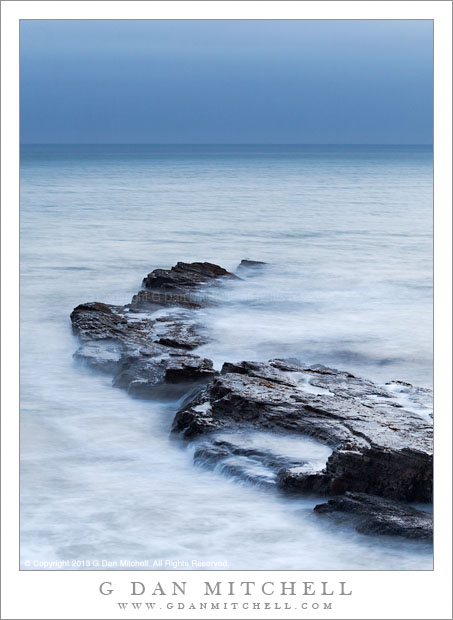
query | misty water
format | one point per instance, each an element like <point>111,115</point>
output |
<point>347,235</point>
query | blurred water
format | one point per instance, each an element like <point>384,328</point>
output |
<point>347,233</point>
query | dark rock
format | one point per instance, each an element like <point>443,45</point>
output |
<point>188,369</point>
<point>250,264</point>
<point>182,285</point>
<point>184,275</point>
<point>95,321</point>
<point>143,376</point>
<point>152,300</point>
<point>180,335</point>
<point>375,515</point>
<point>176,285</point>
<point>176,342</point>
<point>144,351</point>
<point>378,448</point>
<point>396,473</point>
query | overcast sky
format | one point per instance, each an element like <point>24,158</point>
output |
<point>216,81</point>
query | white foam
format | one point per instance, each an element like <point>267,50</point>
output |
<point>347,285</point>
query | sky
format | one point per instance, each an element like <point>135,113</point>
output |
<point>226,81</point>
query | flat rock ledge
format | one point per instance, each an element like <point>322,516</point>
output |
<point>378,447</point>
<point>379,516</point>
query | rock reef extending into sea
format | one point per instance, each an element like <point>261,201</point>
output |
<point>381,451</point>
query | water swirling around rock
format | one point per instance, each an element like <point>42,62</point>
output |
<point>378,448</point>
<point>347,238</point>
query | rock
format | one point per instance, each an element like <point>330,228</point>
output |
<point>179,285</point>
<point>375,515</point>
<point>250,264</point>
<point>175,332</point>
<point>146,351</point>
<point>184,275</point>
<point>97,321</point>
<point>143,377</point>
<point>182,285</point>
<point>142,354</point>
<point>377,440</point>
<point>378,448</point>
<point>404,474</point>
<point>419,399</point>
<point>102,355</point>
<point>149,300</point>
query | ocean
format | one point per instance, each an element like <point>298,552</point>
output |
<point>347,235</point>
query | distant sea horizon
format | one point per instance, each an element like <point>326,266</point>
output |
<point>230,143</point>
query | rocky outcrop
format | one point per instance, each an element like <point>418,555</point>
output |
<point>182,285</point>
<point>378,446</point>
<point>184,275</point>
<point>373,443</point>
<point>98,321</point>
<point>376,515</point>
<point>150,300</point>
<point>143,359</point>
<point>145,351</point>
<point>144,376</point>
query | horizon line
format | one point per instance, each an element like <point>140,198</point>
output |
<point>226,144</point>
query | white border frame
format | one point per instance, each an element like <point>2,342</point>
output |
<point>376,594</point>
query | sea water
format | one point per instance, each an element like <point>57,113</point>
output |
<point>347,235</point>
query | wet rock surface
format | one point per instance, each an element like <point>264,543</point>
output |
<point>376,515</point>
<point>173,332</point>
<point>147,350</point>
<point>98,321</point>
<point>150,300</point>
<point>378,447</point>
<point>182,285</point>
<point>250,264</point>
<point>141,376</point>
<point>184,275</point>
<point>376,441</point>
